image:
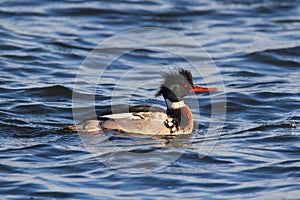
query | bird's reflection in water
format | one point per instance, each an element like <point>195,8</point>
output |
<point>130,151</point>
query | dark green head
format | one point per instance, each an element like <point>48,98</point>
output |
<point>178,84</point>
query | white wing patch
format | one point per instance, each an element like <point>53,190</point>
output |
<point>124,116</point>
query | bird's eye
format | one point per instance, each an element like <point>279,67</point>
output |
<point>185,85</point>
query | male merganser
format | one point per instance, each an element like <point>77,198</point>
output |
<point>144,119</point>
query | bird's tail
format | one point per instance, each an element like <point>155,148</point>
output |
<point>84,127</point>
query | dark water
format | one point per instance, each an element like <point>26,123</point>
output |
<point>255,45</point>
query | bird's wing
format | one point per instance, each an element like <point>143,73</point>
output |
<point>121,109</point>
<point>136,122</point>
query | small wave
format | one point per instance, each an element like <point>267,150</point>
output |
<point>267,127</point>
<point>283,57</point>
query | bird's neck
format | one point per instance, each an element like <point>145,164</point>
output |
<point>174,105</point>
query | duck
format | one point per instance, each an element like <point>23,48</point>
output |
<point>177,119</point>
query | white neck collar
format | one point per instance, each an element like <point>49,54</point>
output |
<point>174,105</point>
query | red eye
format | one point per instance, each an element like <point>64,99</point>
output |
<point>185,85</point>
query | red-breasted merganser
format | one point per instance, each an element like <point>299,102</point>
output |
<point>145,119</point>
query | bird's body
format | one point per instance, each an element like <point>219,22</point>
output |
<point>144,119</point>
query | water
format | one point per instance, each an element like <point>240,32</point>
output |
<point>256,48</point>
